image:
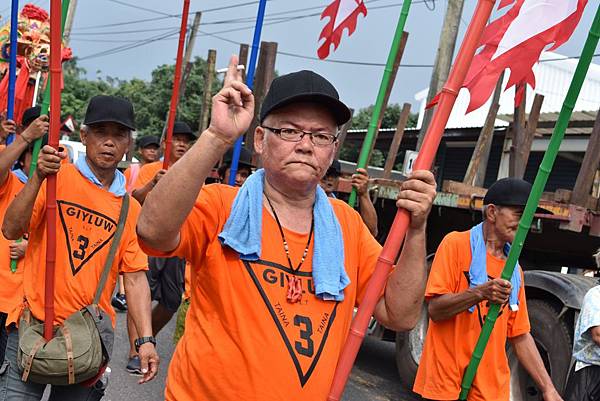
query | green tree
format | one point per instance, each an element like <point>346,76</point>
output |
<point>391,115</point>
<point>151,99</point>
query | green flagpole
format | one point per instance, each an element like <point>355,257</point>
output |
<point>363,158</point>
<point>536,193</point>
<point>37,145</point>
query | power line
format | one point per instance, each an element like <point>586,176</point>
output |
<point>140,8</point>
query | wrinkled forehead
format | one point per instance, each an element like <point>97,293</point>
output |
<point>108,128</point>
<point>303,115</point>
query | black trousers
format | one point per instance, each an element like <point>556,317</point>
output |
<point>3,336</point>
<point>584,385</point>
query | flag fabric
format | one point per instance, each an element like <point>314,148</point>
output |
<point>516,40</point>
<point>343,14</point>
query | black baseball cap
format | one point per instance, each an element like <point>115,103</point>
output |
<point>148,140</point>
<point>304,86</point>
<point>104,108</point>
<point>334,170</point>
<point>182,128</point>
<point>245,158</point>
<point>510,192</point>
<point>30,115</point>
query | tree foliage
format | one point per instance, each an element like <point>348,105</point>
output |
<point>151,99</point>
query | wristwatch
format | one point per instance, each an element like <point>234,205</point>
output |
<point>143,340</point>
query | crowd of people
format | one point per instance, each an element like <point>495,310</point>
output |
<point>264,276</point>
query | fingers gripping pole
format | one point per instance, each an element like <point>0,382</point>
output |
<point>176,83</point>
<point>399,228</point>
<point>237,147</point>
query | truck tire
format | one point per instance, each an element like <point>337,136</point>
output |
<point>409,346</point>
<point>553,339</point>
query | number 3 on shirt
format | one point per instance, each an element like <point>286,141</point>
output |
<point>83,244</point>
<point>305,334</point>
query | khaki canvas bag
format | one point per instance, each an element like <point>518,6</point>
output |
<point>81,346</point>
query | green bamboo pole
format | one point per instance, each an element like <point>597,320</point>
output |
<point>536,193</point>
<point>363,158</point>
<point>37,145</point>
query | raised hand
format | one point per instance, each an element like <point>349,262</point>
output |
<point>36,129</point>
<point>497,291</point>
<point>233,107</point>
<point>360,181</point>
<point>49,161</point>
<point>416,195</point>
<point>7,127</point>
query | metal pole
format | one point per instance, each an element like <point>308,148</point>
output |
<point>237,148</point>
<point>176,82</point>
<point>363,157</point>
<point>391,248</point>
<point>12,66</point>
<point>536,193</point>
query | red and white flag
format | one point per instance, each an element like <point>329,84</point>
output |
<point>516,41</point>
<point>343,14</point>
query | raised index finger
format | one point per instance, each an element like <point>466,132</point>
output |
<point>232,71</point>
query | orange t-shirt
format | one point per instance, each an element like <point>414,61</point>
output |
<point>11,290</point>
<point>86,221</point>
<point>147,173</point>
<point>450,343</point>
<point>243,340</point>
<point>187,287</point>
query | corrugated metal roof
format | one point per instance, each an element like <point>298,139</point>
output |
<point>553,77</point>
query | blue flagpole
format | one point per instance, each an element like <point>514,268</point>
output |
<point>12,66</point>
<point>237,148</point>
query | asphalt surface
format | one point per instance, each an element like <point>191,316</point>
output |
<point>374,376</point>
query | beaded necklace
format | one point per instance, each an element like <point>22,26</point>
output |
<point>294,292</point>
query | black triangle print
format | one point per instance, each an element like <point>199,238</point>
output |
<point>304,336</point>
<point>86,232</point>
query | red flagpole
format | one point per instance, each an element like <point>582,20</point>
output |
<point>55,81</point>
<point>176,83</point>
<point>399,228</point>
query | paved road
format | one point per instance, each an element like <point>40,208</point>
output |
<point>374,376</point>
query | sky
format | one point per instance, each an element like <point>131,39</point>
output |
<point>294,25</point>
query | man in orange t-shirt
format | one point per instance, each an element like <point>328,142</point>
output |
<point>267,320</point>
<point>89,196</point>
<point>463,282</point>
<point>11,290</point>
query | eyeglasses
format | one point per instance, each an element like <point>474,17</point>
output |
<point>296,135</point>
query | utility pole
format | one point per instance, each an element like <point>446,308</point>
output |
<point>208,81</point>
<point>265,72</point>
<point>443,59</point>
<point>243,59</point>
<point>69,21</point>
<point>186,66</point>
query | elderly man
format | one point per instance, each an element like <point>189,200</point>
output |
<point>463,282</point>
<point>584,384</point>
<point>278,267</point>
<point>89,197</point>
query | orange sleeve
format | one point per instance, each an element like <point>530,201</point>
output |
<point>444,277</point>
<point>518,322</point>
<point>200,228</point>
<point>145,175</point>
<point>38,213</point>
<point>369,251</point>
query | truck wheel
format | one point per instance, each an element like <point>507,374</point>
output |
<point>553,340</point>
<point>409,347</point>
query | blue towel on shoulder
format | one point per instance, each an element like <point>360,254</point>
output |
<point>243,233</point>
<point>478,272</point>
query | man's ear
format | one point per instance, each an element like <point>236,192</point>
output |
<point>259,139</point>
<point>83,136</point>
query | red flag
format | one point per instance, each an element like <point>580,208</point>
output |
<point>342,14</point>
<point>515,41</point>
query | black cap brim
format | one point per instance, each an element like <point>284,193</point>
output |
<point>110,120</point>
<point>341,113</point>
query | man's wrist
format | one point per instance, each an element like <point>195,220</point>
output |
<point>227,142</point>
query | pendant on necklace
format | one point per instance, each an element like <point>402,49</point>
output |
<point>294,292</point>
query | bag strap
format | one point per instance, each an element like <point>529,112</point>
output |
<point>113,248</point>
